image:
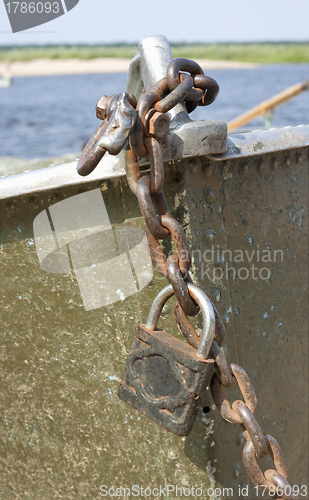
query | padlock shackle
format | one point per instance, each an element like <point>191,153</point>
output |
<point>207,311</point>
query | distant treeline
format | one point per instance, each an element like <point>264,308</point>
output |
<point>267,52</point>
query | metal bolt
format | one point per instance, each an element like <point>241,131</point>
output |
<point>236,470</point>
<point>246,220</point>
<point>240,441</point>
<point>216,296</point>
<point>260,167</point>
<point>101,107</point>
<point>55,197</point>
<point>244,170</point>
<point>298,158</point>
<point>225,169</point>
<point>158,125</point>
<point>208,170</point>
<point>210,235</point>
<point>33,202</point>
<point>209,195</point>
<point>10,208</point>
<point>274,164</point>
<point>226,319</point>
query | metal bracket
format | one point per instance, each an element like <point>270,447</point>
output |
<point>186,137</point>
<point>252,144</point>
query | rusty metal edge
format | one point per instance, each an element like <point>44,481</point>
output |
<point>260,142</point>
<point>239,145</point>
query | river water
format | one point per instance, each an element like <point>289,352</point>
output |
<point>49,116</point>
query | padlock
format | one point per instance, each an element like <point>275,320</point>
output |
<point>164,377</point>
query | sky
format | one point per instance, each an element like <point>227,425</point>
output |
<point>107,21</point>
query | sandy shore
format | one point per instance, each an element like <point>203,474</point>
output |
<point>47,67</point>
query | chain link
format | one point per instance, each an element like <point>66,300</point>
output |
<point>258,444</point>
<point>178,86</point>
<point>144,122</point>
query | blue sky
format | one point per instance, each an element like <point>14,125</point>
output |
<point>104,21</point>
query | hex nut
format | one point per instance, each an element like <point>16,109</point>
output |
<point>101,107</point>
<point>158,125</point>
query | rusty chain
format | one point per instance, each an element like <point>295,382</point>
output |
<point>242,413</point>
<point>138,127</point>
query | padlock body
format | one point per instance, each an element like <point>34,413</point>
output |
<point>164,379</point>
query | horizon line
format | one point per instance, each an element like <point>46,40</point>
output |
<point>84,44</point>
